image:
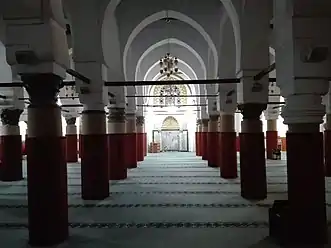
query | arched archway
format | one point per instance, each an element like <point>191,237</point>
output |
<point>110,36</point>
<point>177,15</point>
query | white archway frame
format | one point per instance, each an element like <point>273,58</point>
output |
<point>109,18</point>
<point>174,41</point>
<point>172,14</point>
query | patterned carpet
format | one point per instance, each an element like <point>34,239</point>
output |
<point>171,200</point>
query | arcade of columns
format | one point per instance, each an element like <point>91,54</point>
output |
<point>103,155</point>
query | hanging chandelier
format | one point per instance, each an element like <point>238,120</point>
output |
<point>168,65</point>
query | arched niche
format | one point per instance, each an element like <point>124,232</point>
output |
<point>170,123</point>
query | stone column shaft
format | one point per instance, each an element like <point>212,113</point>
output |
<point>307,213</point>
<point>204,139</point>
<point>252,153</point>
<point>131,145</point>
<point>213,141</point>
<point>46,162</point>
<point>117,143</point>
<point>271,137</point>
<point>198,138</point>
<point>228,151</point>
<point>11,146</point>
<point>140,121</point>
<point>327,145</point>
<point>71,141</point>
<point>94,154</point>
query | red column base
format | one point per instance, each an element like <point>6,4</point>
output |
<point>228,155</point>
<point>213,149</point>
<point>94,166</point>
<point>252,166</point>
<point>271,142</point>
<point>145,144</point>
<point>204,140</point>
<point>327,152</point>
<point>71,148</point>
<point>306,188</point>
<point>131,150</point>
<point>80,146</point>
<point>140,149</point>
<point>11,158</point>
<point>47,191</point>
<point>117,162</point>
<point>197,148</point>
<point>200,144</point>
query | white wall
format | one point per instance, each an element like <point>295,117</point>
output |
<point>186,120</point>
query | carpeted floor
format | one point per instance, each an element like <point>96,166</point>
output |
<point>171,200</point>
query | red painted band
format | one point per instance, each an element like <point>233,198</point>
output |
<point>327,152</point>
<point>71,148</point>
<point>47,191</point>
<point>204,143</point>
<point>11,158</point>
<point>305,173</point>
<point>117,156</point>
<point>131,150</point>
<point>94,166</point>
<point>213,149</point>
<point>252,166</point>
<point>145,144</point>
<point>140,149</point>
<point>228,155</point>
<point>197,152</point>
<point>80,146</point>
<point>271,142</point>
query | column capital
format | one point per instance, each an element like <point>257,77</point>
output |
<point>303,109</point>
<point>116,115</point>
<point>43,89</point>
<point>272,112</point>
<point>140,120</point>
<point>71,121</point>
<point>252,110</point>
<point>199,122</point>
<point>10,117</point>
<point>205,122</point>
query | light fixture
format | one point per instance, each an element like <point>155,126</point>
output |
<point>168,65</point>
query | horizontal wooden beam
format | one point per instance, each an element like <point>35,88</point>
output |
<point>145,83</point>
